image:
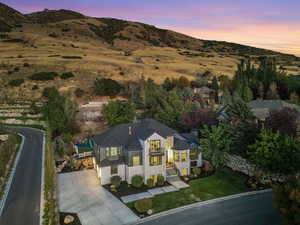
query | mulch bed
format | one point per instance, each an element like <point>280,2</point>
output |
<point>62,216</point>
<point>125,190</point>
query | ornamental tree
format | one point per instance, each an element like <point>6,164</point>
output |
<point>215,143</point>
<point>275,153</point>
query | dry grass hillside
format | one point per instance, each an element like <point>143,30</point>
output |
<point>64,40</point>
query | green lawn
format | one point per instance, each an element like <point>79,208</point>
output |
<point>220,184</point>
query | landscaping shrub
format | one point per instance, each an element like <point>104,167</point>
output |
<point>116,181</point>
<point>67,75</point>
<point>150,183</point>
<point>160,180</point>
<point>79,92</point>
<point>197,171</point>
<point>16,82</point>
<point>137,181</point>
<point>207,167</point>
<point>43,76</point>
<point>26,64</point>
<point>143,205</point>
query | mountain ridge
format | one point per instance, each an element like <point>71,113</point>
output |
<point>67,41</point>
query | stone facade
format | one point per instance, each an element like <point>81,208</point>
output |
<point>237,163</point>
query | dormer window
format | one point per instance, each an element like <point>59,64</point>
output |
<point>155,146</point>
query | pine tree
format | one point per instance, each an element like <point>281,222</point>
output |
<point>215,87</point>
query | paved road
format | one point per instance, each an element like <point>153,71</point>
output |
<point>249,210</point>
<point>23,201</point>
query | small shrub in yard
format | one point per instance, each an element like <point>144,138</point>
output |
<point>143,205</point>
<point>116,181</point>
<point>26,64</point>
<point>196,171</point>
<point>207,167</point>
<point>43,76</point>
<point>67,75</point>
<point>137,181</point>
<point>150,183</point>
<point>16,82</point>
<point>160,180</point>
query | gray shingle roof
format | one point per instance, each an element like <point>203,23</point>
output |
<point>262,108</point>
<point>140,130</point>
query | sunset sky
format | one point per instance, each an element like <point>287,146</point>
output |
<point>272,24</point>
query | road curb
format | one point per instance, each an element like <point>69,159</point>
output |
<point>199,204</point>
<point>12,174</point>
<point>42,201</point>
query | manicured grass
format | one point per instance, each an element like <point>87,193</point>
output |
<point>220,184</point>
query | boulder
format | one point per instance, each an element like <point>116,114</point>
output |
<point>68,219</point>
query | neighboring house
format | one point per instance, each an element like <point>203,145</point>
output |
<point>147,148</point>
<point>262,108</point>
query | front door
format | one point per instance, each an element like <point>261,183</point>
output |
<point>170,158</point>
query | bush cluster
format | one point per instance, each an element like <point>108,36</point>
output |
<point>160,180</point>
<point>67,75</point>
<point>16,82</point>
<point>43,76</point>
<point>137,181</point>
<point>143,205</point>
<point>116,181</point>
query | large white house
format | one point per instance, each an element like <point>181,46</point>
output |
<point>147,148</point>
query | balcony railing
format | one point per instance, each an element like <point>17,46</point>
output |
<point>160,151</point>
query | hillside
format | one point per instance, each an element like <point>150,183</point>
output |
<point>63,40</point>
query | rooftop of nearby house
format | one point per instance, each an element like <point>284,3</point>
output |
<point>262,108</point>
<point>130,135</point>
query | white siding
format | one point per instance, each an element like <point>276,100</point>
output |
<point>132,171</point>
<point>105,174</point>
<point>153,170</point>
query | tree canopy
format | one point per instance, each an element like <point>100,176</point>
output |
<point>118,112</point>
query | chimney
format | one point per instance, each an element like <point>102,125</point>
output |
<point>129,130</point>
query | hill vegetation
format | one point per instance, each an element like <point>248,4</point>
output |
<point>63,41</point>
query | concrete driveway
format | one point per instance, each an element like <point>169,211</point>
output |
<point>81,193</point>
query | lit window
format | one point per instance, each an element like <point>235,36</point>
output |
<point>176,156</point>
<point>155,160</point>
<point>184,156</point>
<point>114,169</point>
<point>113,151</point>
<point>135,161</point>
<point>154,145</point>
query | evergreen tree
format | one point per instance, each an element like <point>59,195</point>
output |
<point>215,87</point>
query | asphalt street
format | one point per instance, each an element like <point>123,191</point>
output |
<point>248,210</point>
<point>22,206</point>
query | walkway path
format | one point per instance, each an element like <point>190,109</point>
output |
<point>176,185</point>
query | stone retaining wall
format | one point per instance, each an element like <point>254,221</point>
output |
<point>237,163</point>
